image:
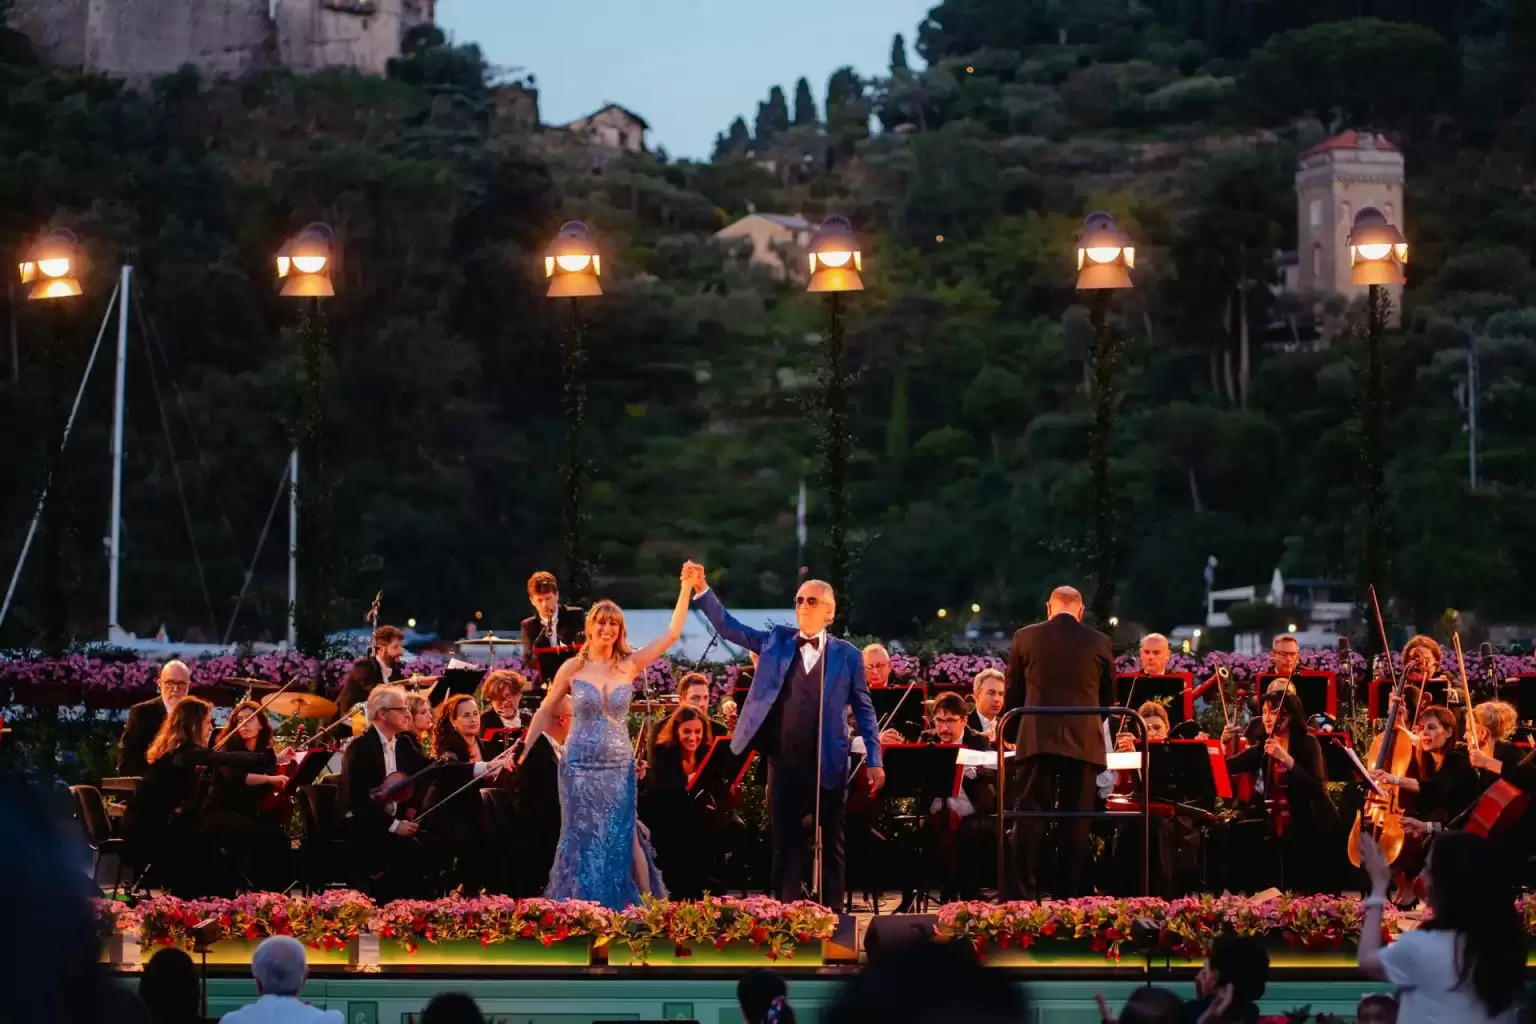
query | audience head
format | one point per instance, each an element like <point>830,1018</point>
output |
<point>502,689</point>
<point>1376,1008</point>
<point>1471,889</point>
<point>815,606</point>
<point>543,593</point>
<point>1154,654</point>
<point>1065,601</point>
<point>280,966</point>
<point>1155,717</point>
<point>989,690</point>
<point>764,997</point>
<point>174,682</point>
<point>949,717</point>
<point>877,665</point>
<point>389,711</point>
<point>389,643</point>
<point>1149,1005</point>
<point>190,724</point>
<point>920,981</point>
<point>693,691</point>
<point>1237,960</point>
<point>1284,654</point>
<point>251,723</point>
<point>452,1008</point>
<point>169,988</point>
<point>687,729</point>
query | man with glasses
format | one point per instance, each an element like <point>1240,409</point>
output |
<point>953,829</point>
<point>383,832</point>
<point>805,678</point>
<point>145,719</point>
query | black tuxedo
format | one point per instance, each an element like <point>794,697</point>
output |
<point>489,719</point>
<point>973,723</point>
<point>144,720</point>
<point>570,630</point>
<point>362,769</point>
<point>1058,663</point>
<point>536,801</point>
<point>361,680</point>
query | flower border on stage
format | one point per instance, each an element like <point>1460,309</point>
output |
<point>480,930</point>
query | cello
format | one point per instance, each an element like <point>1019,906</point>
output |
<point>1382,816</point>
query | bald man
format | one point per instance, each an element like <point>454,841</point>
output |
<point>145,719</point>
<point>1058,663</point>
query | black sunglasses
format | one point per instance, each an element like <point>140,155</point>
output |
<point>811,600</point>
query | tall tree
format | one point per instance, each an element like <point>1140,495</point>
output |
<point>735,141</point>
<point>805,103</point>
<point>898,54</point>
<point>772,118</point>
<point>847,111</point>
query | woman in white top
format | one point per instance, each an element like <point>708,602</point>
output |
<point>1465,964</point>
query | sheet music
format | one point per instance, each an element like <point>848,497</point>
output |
<point>1364,772</point>
<point>455,663</point>
<point>967,758</point>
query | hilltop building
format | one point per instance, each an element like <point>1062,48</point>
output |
<point>1334,181</point>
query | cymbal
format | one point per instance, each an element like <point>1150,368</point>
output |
<point>416,682</point>
<point>302,705</point>
<point>249,684</point>
<point>491,638</point>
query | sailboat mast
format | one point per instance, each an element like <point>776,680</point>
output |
<point>115,539</point>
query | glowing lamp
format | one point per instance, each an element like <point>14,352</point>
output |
<point>1105,256</point>
<point>52,267</point>
<point>835,261</point>
<point>1377,250</point>
<point>305,261</point>
<point>572,263</point>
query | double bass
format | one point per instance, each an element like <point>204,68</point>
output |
<point>1390,752</point>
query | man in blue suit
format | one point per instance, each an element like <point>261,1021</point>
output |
<point>779,719</point>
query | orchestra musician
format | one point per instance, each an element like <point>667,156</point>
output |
<point>163,817</point>
<point>384,833</point>
<point>693,691</point>
<point>235,815</point>
<point>502,690</point>
<point>536,803</point>
<point>1154,716</point>
<point>1300,819</point>
<point>146,718</point>
<point>1491,752</point>
<point>877,665</point>
<point>380,667</point>
<point>551,625</point>
<point>959,825</point>
<point>1154,654</point>
<point>678,828</point>
<point>988,690</point>
<point>1441,781</point>
<point>1422,659</point>
<point>421,720</point>
<point>456,826</point>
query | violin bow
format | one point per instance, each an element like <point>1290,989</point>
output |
<point>493,767</point>
<point>1466,690</point>
<point>255,711</point>
<point>880,727</point>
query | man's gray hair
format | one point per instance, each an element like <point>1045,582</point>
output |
<point>280,966</point>
<point>1154,636</point>
<point>985,674</point>
<point>876,647</point>
<point>383,695</point>
<point>174,663</point>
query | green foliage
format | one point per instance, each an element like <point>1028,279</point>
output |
<point>772,118</point>
<point>805,104</point>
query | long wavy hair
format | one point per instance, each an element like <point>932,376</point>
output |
<point>183,727</point>
<point>445,736</point>
<point>1472,892</point>
<point>599,612</point>
<point>685,713</point>
<point>244,708</point>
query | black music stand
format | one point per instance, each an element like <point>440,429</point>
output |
<point>1317,691</point>
<point>1521,692</point>
<point>547,661</point>
<point>1335,761</point>
<point>309,769</point>
<point>1188,772</point>
<point>921,770</point>
<point>455,681</point>
<point>1171,691</point>
<point>909,721</point>
<point>723,769</point>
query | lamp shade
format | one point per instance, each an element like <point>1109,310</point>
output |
<point>1105,256</point>
<point>305,261</point>
<point>572,263</point>
<point>52,266</point>
<point>1377,250</point>
<point>836,263</point>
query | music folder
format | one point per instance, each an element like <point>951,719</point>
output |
<point>909,718</point>
<point>1188,771</point>
<point>921,769</point>
<point>722,768</point>
<point>454,679</point>
<point>1317,691</point>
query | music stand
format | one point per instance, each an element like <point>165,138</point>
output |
<point>1188,771</point>
<point>921,770</point>
<point>1521,692</point>
<point>910,719</point>
<point>1335,761</point>
<point>547,661</point>
<point>455,681</point>
<point>309,769</point>
<point>1317,691</point>
<point>722,768</point>
<point>1172,690</point>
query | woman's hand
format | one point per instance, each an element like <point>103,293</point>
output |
<point>640,768</point>
<point>1273,748</point>
<point>1375,863</point>
<point>285,756</point>
<point>1484,761</point>
<point>1125,743</point>
<point>1417,827</point>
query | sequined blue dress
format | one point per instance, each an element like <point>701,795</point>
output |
<point>595,857</point>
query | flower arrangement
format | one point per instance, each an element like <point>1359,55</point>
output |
<point>113,917</point>
<point>490,919</point>
<point>765,923</point>
<point>327,921</point>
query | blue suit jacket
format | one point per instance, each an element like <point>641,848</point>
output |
<point>844,686</point>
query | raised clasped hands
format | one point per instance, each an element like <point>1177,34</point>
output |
<point>693,576</point>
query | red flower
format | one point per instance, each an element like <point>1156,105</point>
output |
<point>547,918</point>
<point>525,931</point>
<point>1048,929</point>
<point>759,934</point>
<point>684,951</point>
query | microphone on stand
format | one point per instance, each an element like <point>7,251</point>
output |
<point>1490,670</point>
<point>1347,664</point>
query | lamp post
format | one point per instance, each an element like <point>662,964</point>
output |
<point>573,265</point>
<point>305,265</point>
<point>836,265</point>
<point>1377,254</point>
<point>1105,257</point>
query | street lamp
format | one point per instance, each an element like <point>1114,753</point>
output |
<point>836,266</point>
<point>573,265</point>
<point>305,265</point>
<point>1105,258</point>
<point>52,266</point>
<point>1377,254</point>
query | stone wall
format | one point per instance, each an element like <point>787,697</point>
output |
<point>365,34</point>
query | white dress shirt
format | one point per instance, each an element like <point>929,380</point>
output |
<point>270,1009</point>
<point>810,655</point>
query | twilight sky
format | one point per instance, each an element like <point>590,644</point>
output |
<point>686,66</point>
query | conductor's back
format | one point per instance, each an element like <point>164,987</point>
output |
<point>1061,663</point>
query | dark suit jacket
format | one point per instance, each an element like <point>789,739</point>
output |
<point>1311,808</point>
<point>144,720</point>
<point>362,769</point>
<point>361,680</point>
<point>979,786</point>
<point>571,626</point>
<point>170,789</point>
<point>536,803</point>
<point>1061,663</point>
<point>489,719</point>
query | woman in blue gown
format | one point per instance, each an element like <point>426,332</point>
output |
<point>604,854</point>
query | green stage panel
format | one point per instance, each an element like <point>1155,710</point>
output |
<point>578,998</point>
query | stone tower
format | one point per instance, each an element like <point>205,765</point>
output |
<point>1334,180</point>
<point>361,34</point>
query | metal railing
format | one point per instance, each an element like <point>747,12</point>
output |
<point>1138,730</point>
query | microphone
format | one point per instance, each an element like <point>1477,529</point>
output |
<point>1490,670</point>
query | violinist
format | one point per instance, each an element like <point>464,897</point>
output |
<point>499,723</point>
<point>678,826</point>
<point>164,813</point>
<point>987,690</point>
<point>1175,848</point>
<point>1300,818</point>
<point>1489,749</point>
<point>1155,717</point>
<point>456,824</point>
<point>384,832</point>
<point>1254,733</point>
<point>235,812</point>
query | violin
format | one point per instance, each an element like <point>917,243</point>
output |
<point>398,787</point>
<point>1391,752</point>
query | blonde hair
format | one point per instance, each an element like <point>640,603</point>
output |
<point>621,649</point>
<point>1498,717</point>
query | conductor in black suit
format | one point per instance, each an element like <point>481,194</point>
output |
<point>146,717</point>
<point>380,667</point>
<point>1058,663</point>
<point>551,625</point>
